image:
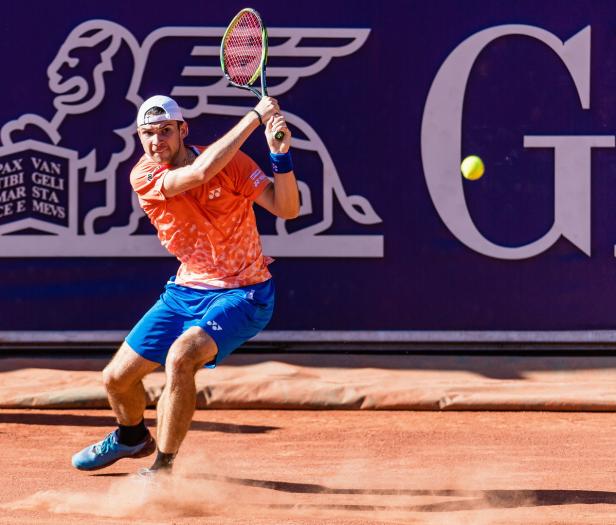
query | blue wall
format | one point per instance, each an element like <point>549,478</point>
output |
<point>372,250</point>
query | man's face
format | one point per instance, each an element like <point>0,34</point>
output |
<point>162,141</point>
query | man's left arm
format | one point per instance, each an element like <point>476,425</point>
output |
<point>282,197</point>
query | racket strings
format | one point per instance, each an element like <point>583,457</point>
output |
<point>243,49</point>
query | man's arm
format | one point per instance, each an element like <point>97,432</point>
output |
<point>219,154</point>
<point>282,197</point>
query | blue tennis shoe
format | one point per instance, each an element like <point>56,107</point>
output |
<point>110,450</point>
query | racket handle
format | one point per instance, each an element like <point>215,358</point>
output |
<point>279,135</point>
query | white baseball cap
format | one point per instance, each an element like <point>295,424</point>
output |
<point>172,110</point>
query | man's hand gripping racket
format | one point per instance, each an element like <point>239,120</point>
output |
<point>243,57</point>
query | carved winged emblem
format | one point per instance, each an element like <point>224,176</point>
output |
<point>89,79</point>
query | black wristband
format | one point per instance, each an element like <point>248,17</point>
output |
<point>258,115</point>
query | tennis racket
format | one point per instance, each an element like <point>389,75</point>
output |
<point>243,53</point>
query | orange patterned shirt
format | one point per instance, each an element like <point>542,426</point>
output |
<point>211,229</point>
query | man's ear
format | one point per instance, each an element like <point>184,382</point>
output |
<point>183,130</point>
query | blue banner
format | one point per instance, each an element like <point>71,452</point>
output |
<point>384,101</point>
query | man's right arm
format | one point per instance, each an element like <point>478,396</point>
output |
<point>219,154</point>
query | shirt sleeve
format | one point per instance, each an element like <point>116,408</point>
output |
<point>248,179</point>
<point>147,180</point>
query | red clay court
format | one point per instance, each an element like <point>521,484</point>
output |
<point>534,460</point>
<point>442,349</point>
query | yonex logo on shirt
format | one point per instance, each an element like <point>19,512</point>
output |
<point>214,325</point>
<point>150,176</point>
<point>257,177</point>
<point>215,193</point>
<point>259,180</point>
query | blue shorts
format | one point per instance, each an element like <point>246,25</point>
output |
<point>230,316</point>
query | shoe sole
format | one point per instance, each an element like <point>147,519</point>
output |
<point>149,448</point>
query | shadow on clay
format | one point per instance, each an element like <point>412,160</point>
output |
<point>33,418</point>
<point>475,499</point>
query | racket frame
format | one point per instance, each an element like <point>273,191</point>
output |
<point>260,70</point>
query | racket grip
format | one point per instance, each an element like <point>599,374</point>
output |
<point>279,135</point>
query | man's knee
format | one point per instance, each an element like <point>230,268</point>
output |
<point>190,352</point>
<point>125,370</point>
<point>114,380</point>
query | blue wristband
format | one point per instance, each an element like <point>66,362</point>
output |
<point>281,162</point>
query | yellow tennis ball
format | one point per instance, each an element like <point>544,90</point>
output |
<point>472,167</point>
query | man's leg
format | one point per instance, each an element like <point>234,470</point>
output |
<point>235,316</point>
<point>123,382</point>
<point>122,378</point>
<point>176,406</point>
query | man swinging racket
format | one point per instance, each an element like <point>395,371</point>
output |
<point>200,202</point>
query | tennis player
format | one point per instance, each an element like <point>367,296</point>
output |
<point>200,200</point>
